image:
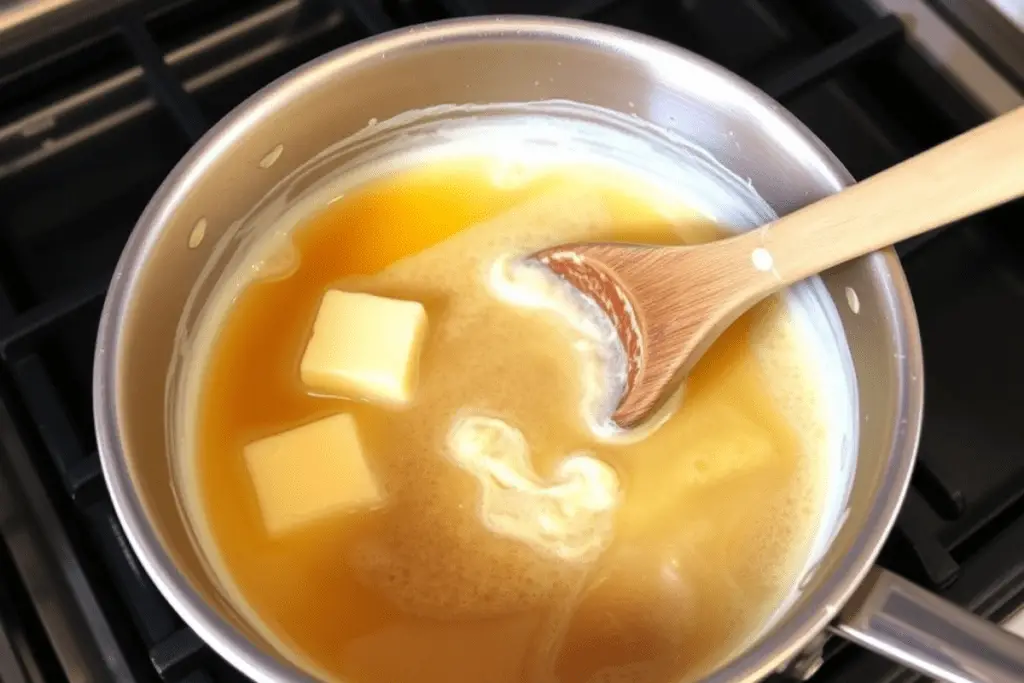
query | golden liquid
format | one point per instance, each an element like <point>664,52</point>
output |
<point>717,505</point>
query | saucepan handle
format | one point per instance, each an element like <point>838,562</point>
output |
<point>907,624</point>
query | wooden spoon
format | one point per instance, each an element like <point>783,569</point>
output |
<point>670,303</point>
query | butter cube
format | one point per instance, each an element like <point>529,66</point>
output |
<point>365,347</point>
<point>310,473</point>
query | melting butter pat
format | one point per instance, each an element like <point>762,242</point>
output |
<point>310,473</point>
<point>365,347</point>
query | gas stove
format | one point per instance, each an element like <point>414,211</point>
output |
<point>99,99</point>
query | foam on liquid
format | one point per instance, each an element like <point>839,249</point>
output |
<point>478,570</point>
<point>491,340</point>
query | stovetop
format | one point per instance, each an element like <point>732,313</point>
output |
<point>97,105</point>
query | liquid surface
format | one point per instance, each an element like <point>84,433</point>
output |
<point>676,547</point>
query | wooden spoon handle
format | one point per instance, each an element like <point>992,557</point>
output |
<point>970,173</point>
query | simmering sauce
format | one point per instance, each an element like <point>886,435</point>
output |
<point>704,521</point>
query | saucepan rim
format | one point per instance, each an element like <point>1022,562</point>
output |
<point>776,647</point>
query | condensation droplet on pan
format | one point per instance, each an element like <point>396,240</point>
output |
<point>271,157</point>
<point>852,300</point>
<point>196,235</point>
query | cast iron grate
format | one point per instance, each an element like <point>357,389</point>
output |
<point>157,78</point>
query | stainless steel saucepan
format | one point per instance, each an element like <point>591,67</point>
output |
<point>506,60</point>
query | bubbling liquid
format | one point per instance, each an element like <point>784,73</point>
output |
<point>521,541</point>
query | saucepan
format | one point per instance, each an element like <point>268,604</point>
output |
<point>182,239</point>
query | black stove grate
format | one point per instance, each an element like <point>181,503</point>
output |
<point>88,132</point>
